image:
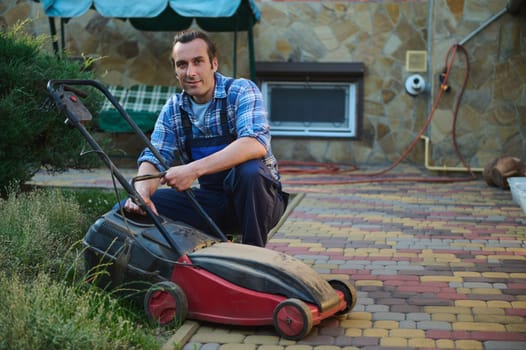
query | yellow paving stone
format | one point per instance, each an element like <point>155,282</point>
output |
<point>463,291</point>
<point>466,274</point>
<point>444,317</point>
<point>379,333</point>
<point>478,326</point>
<point>495,275</point>
<point>326,266</point>
<point>488,311</point>
<point>270,347</point>
<point>465,318</point>
<point>493,249</point>
<point>493,291</point>
<point>407,333</point>
<point>499,303</point>
<point>518,275</point>
<point>393,342</point>
<point>504,319</point>
<point>441,279</point>
<point>361,283</point>
<point>316,249</point>
<point>519,304</point>
<point>470,303</point>
<point>447,309</point>
<point>462,264</point>
<point>304,245</point>
<point>326,347</point>
<point>366,251</point>
<point>468,344</point>
<point>516,327</point>
<point>445,344</point>
<point>357,315</point>
<point>421,343</point>
<point>353,332</point>
<point>507,257</point>
<point>284,240</point>
<point>386,324</point>
<point>361,324</point>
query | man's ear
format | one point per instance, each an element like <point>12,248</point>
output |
<point>215,64</point>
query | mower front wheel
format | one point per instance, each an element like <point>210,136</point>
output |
<point>165,303</point>
<point>350,295</point>
<point>292,319</point>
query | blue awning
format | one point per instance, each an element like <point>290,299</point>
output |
<point>166,15</point>
<point>146,9</point>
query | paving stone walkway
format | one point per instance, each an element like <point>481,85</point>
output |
<point>436,266</point>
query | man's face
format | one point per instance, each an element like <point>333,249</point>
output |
<point>194,70</point>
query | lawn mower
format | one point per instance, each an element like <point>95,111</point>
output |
<point>182,272</point>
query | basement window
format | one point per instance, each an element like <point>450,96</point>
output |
<point>313,99</point>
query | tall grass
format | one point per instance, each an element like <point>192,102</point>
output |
<point>42,304</point>
<point>50,314</point>
<point>37,230</point>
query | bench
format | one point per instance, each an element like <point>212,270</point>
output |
<point>142,103</point>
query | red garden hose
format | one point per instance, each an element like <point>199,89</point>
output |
<point>317,168</point>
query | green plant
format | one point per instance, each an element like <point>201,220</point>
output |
<point>37,230</point>
<point>32,137</point>
<point>45,302</point>
<point>50,314</point>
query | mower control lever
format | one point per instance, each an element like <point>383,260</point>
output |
<point>147,177</point>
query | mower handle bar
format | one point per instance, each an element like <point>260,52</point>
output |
<point>64,84</point>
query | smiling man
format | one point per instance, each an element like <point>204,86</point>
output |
<point>219,125</point>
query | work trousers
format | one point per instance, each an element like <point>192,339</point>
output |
<point>251,203</point>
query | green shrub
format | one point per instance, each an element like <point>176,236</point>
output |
<point>32,137</point>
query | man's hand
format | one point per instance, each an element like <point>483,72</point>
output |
<point>145,189</point>
<point>180,177</point>
<point>131,207</point>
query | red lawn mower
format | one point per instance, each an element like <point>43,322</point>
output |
<point>182,272</point>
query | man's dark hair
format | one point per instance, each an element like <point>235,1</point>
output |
<point>187,36</point>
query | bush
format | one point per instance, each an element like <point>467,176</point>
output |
<point>30,136</point>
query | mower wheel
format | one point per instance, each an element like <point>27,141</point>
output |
<point>292,319</point>
<point>165,303</point>
<point>350,295</point>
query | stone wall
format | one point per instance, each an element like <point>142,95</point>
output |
<point>491,120</point>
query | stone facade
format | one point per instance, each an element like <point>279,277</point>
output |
<point>491,119</point>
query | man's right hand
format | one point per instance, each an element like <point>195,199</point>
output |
<point>144,189</point>
<point>132,207</point>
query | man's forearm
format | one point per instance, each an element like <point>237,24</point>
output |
<point>147,187</point>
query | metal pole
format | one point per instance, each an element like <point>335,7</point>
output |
<point>483,25</point>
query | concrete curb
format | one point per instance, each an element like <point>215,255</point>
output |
<point>181,336</point>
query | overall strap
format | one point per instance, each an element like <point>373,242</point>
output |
<point>223,114</point>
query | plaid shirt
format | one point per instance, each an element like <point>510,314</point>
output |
<point>246,118</point>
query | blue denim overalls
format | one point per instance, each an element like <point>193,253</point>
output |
<point>245,199</point>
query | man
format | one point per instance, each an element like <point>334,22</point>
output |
<point>220,128</point>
